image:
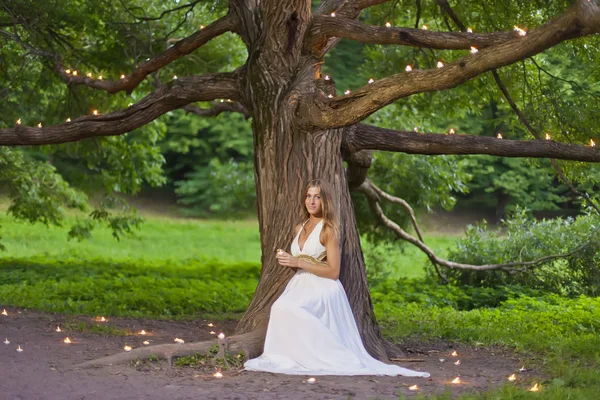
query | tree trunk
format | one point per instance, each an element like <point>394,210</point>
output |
<point>286,158</point>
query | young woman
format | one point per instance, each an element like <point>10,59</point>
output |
<point>311,329</point>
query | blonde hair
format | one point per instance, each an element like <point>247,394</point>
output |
<point>330,219</point>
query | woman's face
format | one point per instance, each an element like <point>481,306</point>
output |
<point>313,201</point>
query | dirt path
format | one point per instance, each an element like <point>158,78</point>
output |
<point>43,370</point>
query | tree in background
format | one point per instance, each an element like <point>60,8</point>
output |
<point>302,126</point>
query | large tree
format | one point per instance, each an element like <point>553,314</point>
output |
<point>303,127</point>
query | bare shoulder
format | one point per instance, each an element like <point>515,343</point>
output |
<point>327,235</point>
<point>297,229</point>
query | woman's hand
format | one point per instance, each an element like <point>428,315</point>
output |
<point>286,259</point>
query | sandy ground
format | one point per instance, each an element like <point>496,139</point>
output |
<point>44,369</point>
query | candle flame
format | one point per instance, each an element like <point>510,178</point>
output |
<point>95,112</point>
<point>371,80</point>
<point>522,32</point>
<point>6,341</point>
<point>67,340</point>
<point>592,143</point>
<point>69,119</point>
<point>75,73</point>
<point>178,340</point>
<point>100,77</point>
<point>452,132</point>
<point>101,319</point>
<point>413,387</point>
<point>454,353</point>
<point>58,329</point>
<point>513,377</point>
<point>330,96</point>
<point>122,76</point>
<point>143,332</point>
<point>440,64</point>
<point>326,78</point>
<point>347,91</point>
<point>547,136</point>
<point>457,362</point>
<point>4,309</point>
<point>474,50</point>
<point>424,27</point>
<point>469,30</point>
<point>221,335</point>
<point>175,77</point>
<point>416,129</point>
<point>201,26</point>
<point>19,121</point>
<point>146,342</point>
<point>127,348</point>
<point>534,388</point>
<point>408,68</point>
<point>311,380</point>
<point>39,125</point>
<point>456,380</point>
<point>218,375</point>
<point>522,369</point>
<point>388,25</point>
<point>210,324</point>
<point>332,14</point>
<point>19,349</point>
<point>89,74</point>
<point>499,136</point>
<point>212,332</point>
<point>68,71</point>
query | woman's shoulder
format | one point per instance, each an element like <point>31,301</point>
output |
<point>297,229</point>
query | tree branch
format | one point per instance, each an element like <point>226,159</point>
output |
<point>367,137</point>
<point>181,48</point>
<point>216,109</point>
<point>345,8</point>
<point>581,19</point>
<point>326,26</point>
<point>373,199</point>
<point>168,97</point>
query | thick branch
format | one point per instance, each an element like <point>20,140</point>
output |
<point>356,30</point>
<point>366,137</point>
<point>217,108</point>
<point>373,199</point>
<point>168,97</point>
<point>346,8</point>
<point>181,48</point>
<point>581,19</point>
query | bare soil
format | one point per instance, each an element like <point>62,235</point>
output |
<point>44,369</point>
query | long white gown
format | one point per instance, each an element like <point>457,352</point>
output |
<point>312,330</point>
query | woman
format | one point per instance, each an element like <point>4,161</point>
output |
<point>311,329</point>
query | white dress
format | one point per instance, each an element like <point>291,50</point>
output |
<point>312,330</point>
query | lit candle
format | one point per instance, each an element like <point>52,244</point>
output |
<point>592,143</point>
<point>522,369</point>
<point>413,387</point>
<point>143,332</point>
<point>330,96</point>
<point>424,27</point>
<point>513,377</point>
<point>534,388</point>
<point>547,136</point>
<point>521,32</point>
<point>311,380</point>
<point>75,73</point>
<point>201,27</point>
<point>327,77</point>
<point>68,71</point>
<point>68,119</point>
<point>408,68</point>
<point>371,80</point>
<point>95,112</point>
<point>58,329</point>
<point>347,91</point>
<point>4,309</point>
<point>452,132</point>
<point>18,123</point>
<point>89,74</point>
<point>218,375</point>
<point>39,125</point>
<point>100,77</point>
<point>499,136</point>
<point>6,341</point>
<point>122,76</point>
<point>456,380</point>
<point>457,362</point>
<point>416,129</point>
<point>146,342</point>
<point>212,332</point>
<point>474,50</point>
<point>440,64</point>
<point>454,354</point>
<point>67,340</point>
<point>469,30</point>
<point>174,76</point>
<point>332,14</point>
<point>127,348</point>
<point>178,340</point>
<point>19,349</point>
<point>210,324</point>
<point>388,25</point>
<point>221,335</point>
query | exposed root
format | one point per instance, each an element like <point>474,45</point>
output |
<point>250,343</point>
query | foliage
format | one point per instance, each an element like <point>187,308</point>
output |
<point>128,288</point>
<point>526,239</point>
<point>210,162</point>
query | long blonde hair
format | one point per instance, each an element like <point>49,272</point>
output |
<point>330,219</point>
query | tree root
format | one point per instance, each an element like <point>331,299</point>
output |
<point>250,343</point>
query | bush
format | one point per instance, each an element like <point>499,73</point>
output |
<point>525,239</point>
